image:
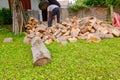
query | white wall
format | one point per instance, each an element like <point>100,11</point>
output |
<point>4,4</point>
<point>34,6</point>
<point>70,1</point>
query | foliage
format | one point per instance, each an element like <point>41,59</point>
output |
<point>5,16</point>
<point>79,4</point>
<point>0,27</point>
<point>102,2</point>
<point>75,61</point>
<point>87,3</point>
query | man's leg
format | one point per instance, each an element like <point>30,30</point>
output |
<point>58,15</point>
<point>52,14</point>
<point>50,21</point>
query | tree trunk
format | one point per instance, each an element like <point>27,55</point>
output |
<point>111,11</point>
<point>41,54</point>
<point>18,17</point>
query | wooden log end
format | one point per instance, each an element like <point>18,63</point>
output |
<point>94,39</point>
<point>42,61</point>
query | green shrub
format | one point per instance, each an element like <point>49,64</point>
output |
<point>95,2</point>
<point>79,4</point>
<point>87,3</point>
<point>5,16</point>
<point>102,2</point>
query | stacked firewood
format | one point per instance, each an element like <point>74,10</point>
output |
<point>72,29</point>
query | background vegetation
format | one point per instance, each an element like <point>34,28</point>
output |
<point>88,3</point>
<point>75,61</point>
<point>5,16</point>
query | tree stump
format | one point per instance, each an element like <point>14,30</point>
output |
<point>41,54</point>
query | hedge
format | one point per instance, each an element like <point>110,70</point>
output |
<point>5,16</point>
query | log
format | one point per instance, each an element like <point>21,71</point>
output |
<point>84,30</point>
<point>108,36</point>
<point>48,41</point>
<point>41,54</point>
<point>116,32</point>
<point>62,39</point>
<point>8,40</point>
<point>93,38</point>
<point>72,39</point>
<point>26,40</point>
<point>74,32</point>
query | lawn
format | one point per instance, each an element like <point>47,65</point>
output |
<point>74,61</point>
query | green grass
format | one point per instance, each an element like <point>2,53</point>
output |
<point>75,61</point>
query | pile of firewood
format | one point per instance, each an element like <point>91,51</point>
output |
<point>70,30</point>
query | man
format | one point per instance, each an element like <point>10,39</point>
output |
<point>53,10</point>
<point>44,11</point>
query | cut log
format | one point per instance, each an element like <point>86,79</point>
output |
<point>84,30</point>
<point>30,35</point>
<point>41,54</point>
<point>8,40</point>
<point>48,41</point>
<point>82,36</point>
<point>100,34</point>
<point>62,39</point>
<point>108,36</point>
<point>66,33</point>
<point>63,42</point>
<point>92,31</point>
<point>89,28</point>
<point>104,30</point>
<point>93,38</point>
<point>116,32</point>
<point>26,40</point>
<point>74,32</point>
<point>72,39</point>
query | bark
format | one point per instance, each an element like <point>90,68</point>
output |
<point>18,17</point>
<point>111,11</point>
